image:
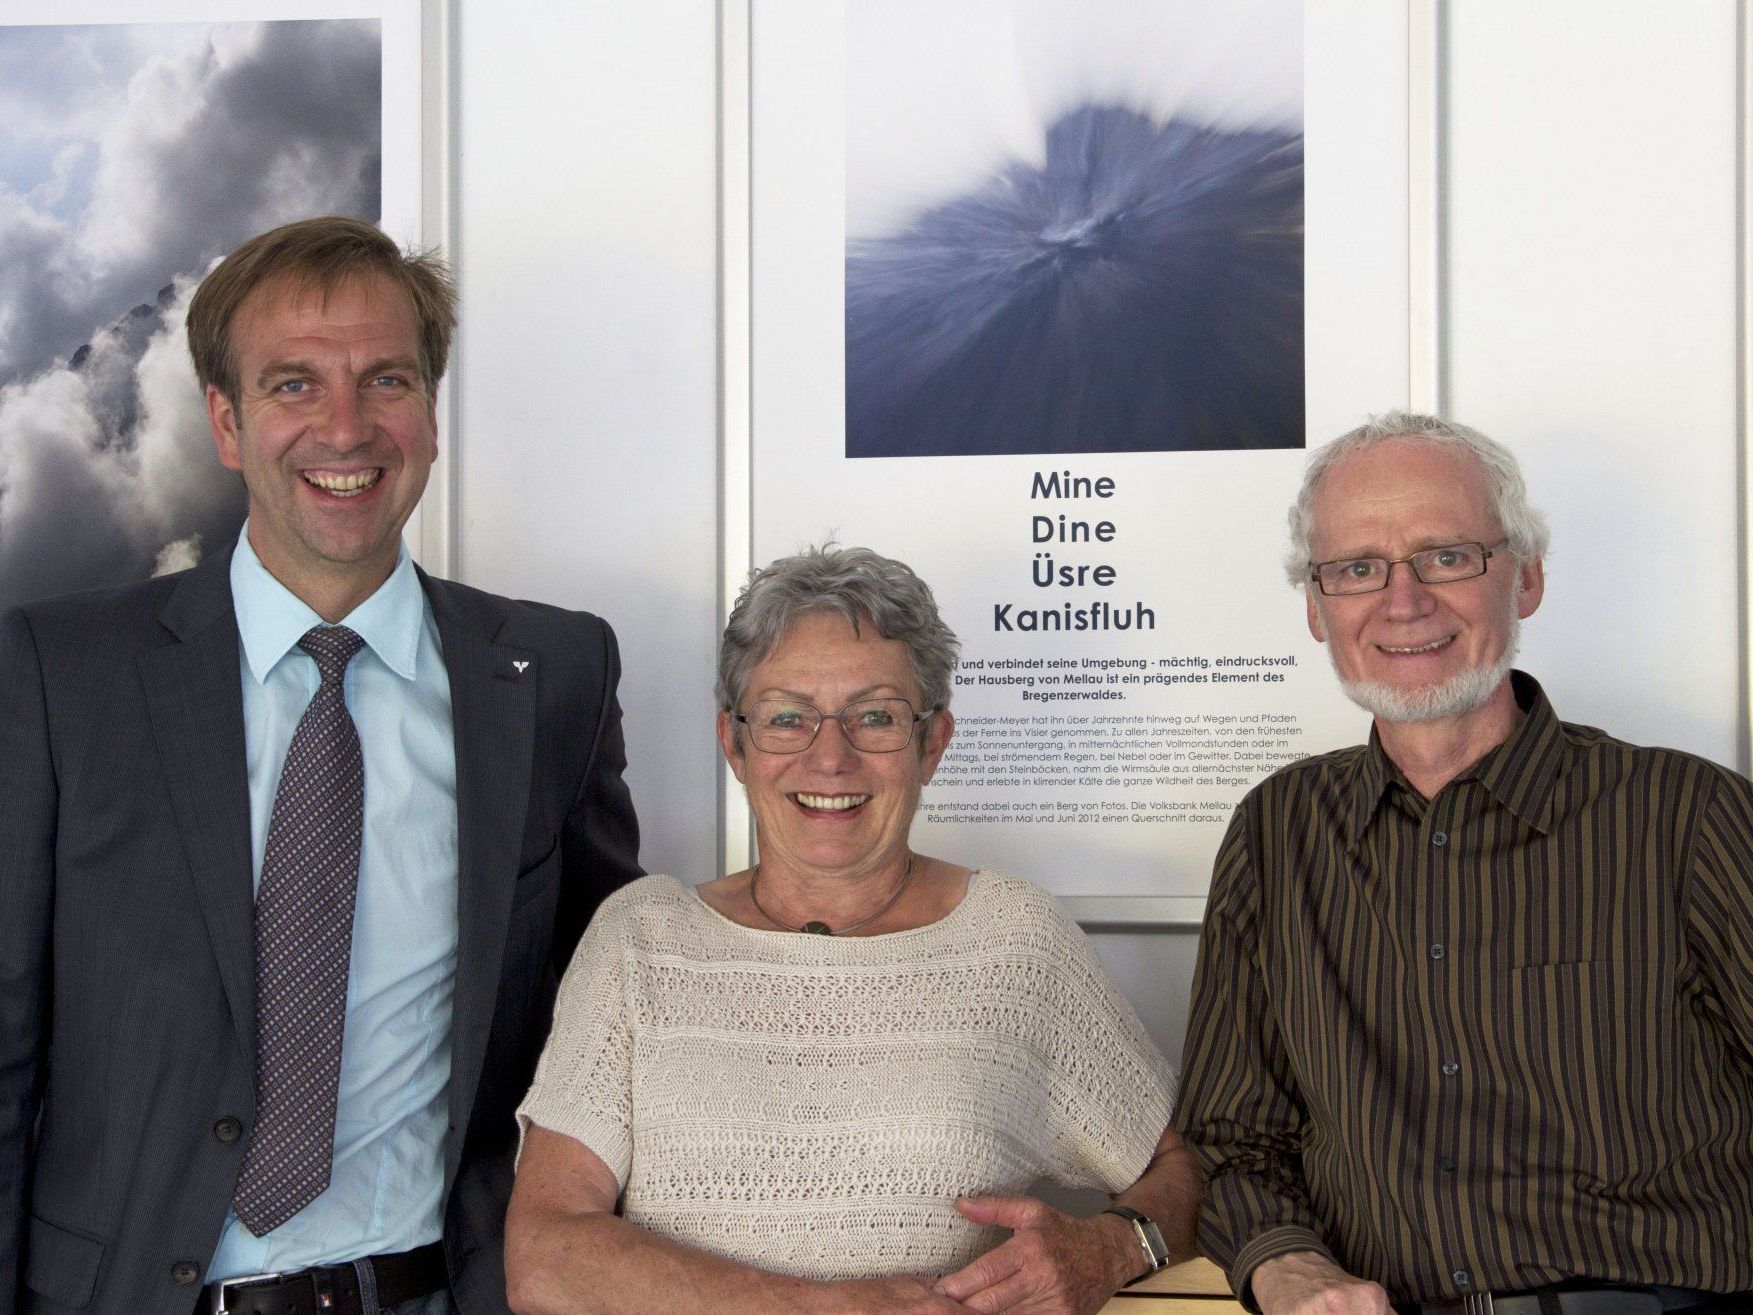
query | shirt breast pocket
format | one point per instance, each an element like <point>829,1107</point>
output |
<point>1578,1045</point>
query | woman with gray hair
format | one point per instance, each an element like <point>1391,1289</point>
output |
<point>823,1083</point>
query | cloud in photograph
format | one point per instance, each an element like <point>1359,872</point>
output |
<point>131,158</point>
<point>938,94</point>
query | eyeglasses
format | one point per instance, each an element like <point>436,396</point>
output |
<point>870,725</point>
<point>1365,575</point>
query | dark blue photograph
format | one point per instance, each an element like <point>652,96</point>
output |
<point>1132,282</point>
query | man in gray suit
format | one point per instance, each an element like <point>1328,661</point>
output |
<point>292,848</point>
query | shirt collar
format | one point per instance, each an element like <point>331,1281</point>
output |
<point>1374,774</point>
<point>1521,773</point>
<point>271,619</point>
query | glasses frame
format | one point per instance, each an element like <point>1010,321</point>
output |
<point>1485,556</point>
<point>823,718</point>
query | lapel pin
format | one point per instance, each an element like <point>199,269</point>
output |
<point>521,666</point>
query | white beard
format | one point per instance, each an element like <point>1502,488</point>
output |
<point>1460,693</point>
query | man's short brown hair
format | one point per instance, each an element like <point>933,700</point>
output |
<point>318,255</point>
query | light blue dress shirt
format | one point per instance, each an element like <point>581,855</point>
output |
<point>386,1187</point>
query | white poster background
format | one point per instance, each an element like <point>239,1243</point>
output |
<point>1199,536</point>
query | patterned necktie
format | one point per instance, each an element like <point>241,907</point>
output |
<point>304,934</point>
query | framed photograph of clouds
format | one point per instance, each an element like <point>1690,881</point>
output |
<point>134,154</point>
<point>1048,299</point>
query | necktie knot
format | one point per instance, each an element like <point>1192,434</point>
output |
<point>332,647</point>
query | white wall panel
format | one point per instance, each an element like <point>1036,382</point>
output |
<point>587,427</point>
<point>1591,303</point>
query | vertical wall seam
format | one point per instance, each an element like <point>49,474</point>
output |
<point>735,362</point>
<point>439,545</point>
<point>1426,382</point>
<point>1743,376</point>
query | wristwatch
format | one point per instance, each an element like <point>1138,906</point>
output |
<point>1150,1239</point>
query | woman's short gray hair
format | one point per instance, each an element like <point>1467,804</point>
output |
<point>1523,527</point>
<point>860,585</point>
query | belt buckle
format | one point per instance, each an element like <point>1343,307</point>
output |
<point>242,1280</point>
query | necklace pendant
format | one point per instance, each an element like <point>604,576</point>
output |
<point>817,929</point>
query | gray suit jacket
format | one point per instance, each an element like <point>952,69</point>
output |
<point>127,1006</point>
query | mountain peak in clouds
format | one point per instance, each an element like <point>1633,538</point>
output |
<point>189,138</point>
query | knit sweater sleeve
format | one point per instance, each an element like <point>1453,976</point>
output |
<point>1110,1091</point>
<point>584,1081</point>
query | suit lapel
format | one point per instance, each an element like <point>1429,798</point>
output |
<point>194,698</point>
<point>493,711</point>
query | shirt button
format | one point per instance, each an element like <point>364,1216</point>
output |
<point>1437,951</point>
<point>1450,1068</point>
<point>228,1130</point>
<point>1439,839</point>
<point>1462,1278</point>
<point>1446,1164</point>
<point>185,1272</point>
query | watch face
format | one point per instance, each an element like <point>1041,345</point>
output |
<point>1150,1241</point>
<point>1153,1239</point>
<point>1150,1237</point>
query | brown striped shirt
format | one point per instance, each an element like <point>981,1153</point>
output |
<point>1493,1040</point>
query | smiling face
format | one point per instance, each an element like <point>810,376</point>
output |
<point>832,810</point>
<point>333,429</point>
<point>1413,651</point>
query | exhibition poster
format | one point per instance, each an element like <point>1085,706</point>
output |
<point>1037,289</point>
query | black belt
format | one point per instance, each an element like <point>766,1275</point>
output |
<point>1646,1300</point>
<point>329,1289</point>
